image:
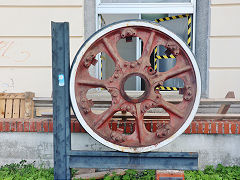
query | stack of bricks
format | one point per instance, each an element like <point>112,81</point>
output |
<point>169,175</point>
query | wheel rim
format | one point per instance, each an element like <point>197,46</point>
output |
<point>141,140</point>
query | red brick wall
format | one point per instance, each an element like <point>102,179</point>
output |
<point>46,125</point>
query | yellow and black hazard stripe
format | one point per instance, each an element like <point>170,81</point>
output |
<point>163,88</point>
<point>177,17</point>
<point>165,57</point>
<point>189,31</point>
<point>155,59</point>
<point>101,69</point>
<point>171,18</point>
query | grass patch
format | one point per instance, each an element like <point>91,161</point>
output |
<point>26,171</point>
<point>210,173</point>
<point>133,175</point>
<point>23,170</point>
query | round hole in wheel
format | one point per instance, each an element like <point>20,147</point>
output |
<point>180,115</point>
<point>127,48</point>
<point>129,96</point>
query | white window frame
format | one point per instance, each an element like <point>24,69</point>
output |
<point>145,8</point>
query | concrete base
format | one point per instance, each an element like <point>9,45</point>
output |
<point>212,149</point>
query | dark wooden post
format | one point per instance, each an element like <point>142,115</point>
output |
<point>61,109</point>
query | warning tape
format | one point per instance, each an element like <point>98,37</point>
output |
<point>156,57</point>
<point>171,18</point>
<point>163,88</point>
<point>178,17</point>
<point>165,57</point>
<point>101,70</point>
<point>189,31</point>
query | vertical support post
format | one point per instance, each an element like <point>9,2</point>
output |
<point>61,109</point>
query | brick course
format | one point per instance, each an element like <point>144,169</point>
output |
<point>44,125</point>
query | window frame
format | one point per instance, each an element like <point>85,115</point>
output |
<point>200,11</point>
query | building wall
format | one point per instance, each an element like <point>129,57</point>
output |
<point>25,41</point>
<point>224,65</point>
<point>38,147</point>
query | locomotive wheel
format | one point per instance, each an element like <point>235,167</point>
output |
<point>141,139</point>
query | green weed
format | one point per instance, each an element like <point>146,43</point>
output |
<point>210,173</point>
<point>22,170</point>
<point>133,175</point>
<point>26,171</point>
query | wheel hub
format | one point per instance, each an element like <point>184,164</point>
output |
<point>135,99</point>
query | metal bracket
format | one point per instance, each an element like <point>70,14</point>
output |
<point>151,160</point>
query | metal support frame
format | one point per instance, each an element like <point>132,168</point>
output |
<point>61,99</point>
<point>64,157</point>
<point>151,160</point>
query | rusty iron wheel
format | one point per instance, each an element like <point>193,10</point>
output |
<point>97,125</point>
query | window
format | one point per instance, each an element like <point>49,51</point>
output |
<point>108,11</point>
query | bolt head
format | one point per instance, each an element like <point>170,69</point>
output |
<point>161,82</point>
<point>158,96</point>
<point>116,76</point>
<point>114,94</point>
<point>132,65</point>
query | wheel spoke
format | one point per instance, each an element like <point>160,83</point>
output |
<point>176,71</point>
<point>140,127</point>
<point>92,82</point>
<point>111,50</point>
<point>105,117</point>
<point>171,108</point>
<point>148,47</point>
